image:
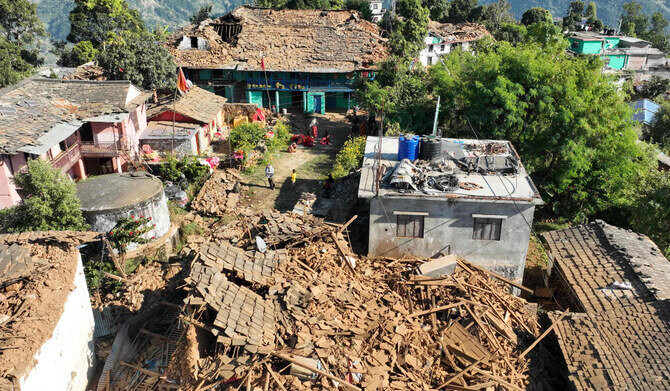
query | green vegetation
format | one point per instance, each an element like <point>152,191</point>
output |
<point>658,131</point>
<point>81,53</point>
<point>257,142</point>
<point>536,15</point>
<point>636,24</point>
<point>349,158</point>
<point>98,20</point>
<point>20,32</point>
<point>187,167</point>
<point>51,202</point>
<point>203,14</point>
<point>129,230</point>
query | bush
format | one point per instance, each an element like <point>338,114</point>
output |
<point>51,203</point>
<point>129,230</point>
<point>173,169</point>
<point>246,137</point>
<point>350,157</point>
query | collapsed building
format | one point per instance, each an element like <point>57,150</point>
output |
<point>305,59</point>
<point>470,198</point>
<point>618,282</point>
<point>46,338</point>
<point>443,38</point>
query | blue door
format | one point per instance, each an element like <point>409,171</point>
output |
<point>317,104</point>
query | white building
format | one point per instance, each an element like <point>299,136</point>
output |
<point>444,37</point>
<point>378,10</point>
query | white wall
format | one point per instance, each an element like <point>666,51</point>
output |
<point>185,44</point>
<point>66,361</point>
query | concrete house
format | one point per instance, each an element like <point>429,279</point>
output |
<point>302,59</point>
<point>81,127</point>
<point>197,115</point>
<point>473,199</point>
<point>618,52</point>
<point>444,37</point>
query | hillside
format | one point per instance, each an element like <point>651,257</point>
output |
<point>172,13</point>
<point>608,10</point>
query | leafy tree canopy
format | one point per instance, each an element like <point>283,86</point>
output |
<point>20,27</point>
<point>98,20</point>
<point>13,67</point>
<point>203,14</point>
<point>408,35</point>
<point>535,15</point>
<point>658,131</point>
<point>80,53</point>
<point>138,57</point>
<point>636,24</point>
<point>362,6</point>
<point>52,202</point>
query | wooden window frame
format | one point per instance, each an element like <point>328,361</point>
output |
<point>494,232</point>
<point>417,224</point>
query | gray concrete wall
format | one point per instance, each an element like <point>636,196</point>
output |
<point>448,228</point>
<point>181,146</point>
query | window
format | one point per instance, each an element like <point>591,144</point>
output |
<point>375,6</point>
<point>409,226</point>
<point>441,48</point>
<point>429,60</point>
<point>194,42</point>
<point>430,48</point>
<point>487,229</point>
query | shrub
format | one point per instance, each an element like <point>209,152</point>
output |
<point>129,230</point>
<point>51,203</point>
<point>173,169</point>
<point>350,157</point>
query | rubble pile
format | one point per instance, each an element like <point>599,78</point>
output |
<point>219,195</point>
<point>326,319</point>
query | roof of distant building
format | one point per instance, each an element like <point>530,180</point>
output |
<point>466,169</point>
<point>289,40</point>
<point>592,36</point>
<point>464,32</point>
<point>644,110</point>
<point>198,104</point>
<point>33,107</point>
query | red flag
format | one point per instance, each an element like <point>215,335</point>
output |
<point>262,63</point>
<point>182,86</point>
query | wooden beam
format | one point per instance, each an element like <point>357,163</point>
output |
<point>343,227</point>
<point>436,309</point>
<point>342,382</point>
<point>497,276</point>
<point>143,370</point>
<point>469,367</point>
<point>342,252</point>
<point>112,255</point>
<point>274,376</point>
<point>546,332</point>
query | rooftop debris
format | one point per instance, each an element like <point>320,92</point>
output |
<point>289,40</point>
<point>198,104</point>
<point>219,195</point>
<point>330,317</point>
<point>464,32</point>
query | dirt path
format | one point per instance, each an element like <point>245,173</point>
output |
<point>312,165</point>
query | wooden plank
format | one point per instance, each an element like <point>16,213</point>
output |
<point>154,335</point>
<point>115,260</point>
<point>343,227</point>
<point>497,276</point>
<point>274,376</point>
<point>464,371</point>
<point>342,382</point>
<point>436,309</point>
<point>546,332</point>
<point>143,370</point>
<point>342,252</point>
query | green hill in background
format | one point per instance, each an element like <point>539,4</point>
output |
<point>608,10</point>
<point>172,13</point>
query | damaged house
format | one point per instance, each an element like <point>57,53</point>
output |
<point>82,127</point>
<point>444,37</point>
<point>280,58</point>
<point>470,198</point>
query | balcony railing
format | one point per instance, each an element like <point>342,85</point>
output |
<point>102,148</point>
<point>65,160</point>
<point>295,84</point>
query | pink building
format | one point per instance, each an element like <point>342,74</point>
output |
<point>82,127</point>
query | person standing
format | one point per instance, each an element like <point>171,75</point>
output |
<point>270,173</point>
<point>293,177</point>
<point>314,124</point>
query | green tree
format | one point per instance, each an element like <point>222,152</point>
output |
<point>98,20</point>
<point>494,15</point>
<point>51,202</point>
<point>512,33</point>
<point>349,158</point>
<point>658,131</point>
<point>592,17</point>
<point>408,35</point>
<point>140,58</point>
<point>653,88</point>
<point>633,22</point>
<point>656,34</point>
<point>551,107</point>
<point>80,53</point>
<point>536,15</point>
<point>362,6</point>
<point>20,27</point>
<point>461,11</point>
<point>13,67</point>
<point>574,15</point>
<point>650,212</point>
<point>439,9</point>
<point>203,14</point>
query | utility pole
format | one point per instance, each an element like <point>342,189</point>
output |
<point>437,111</point>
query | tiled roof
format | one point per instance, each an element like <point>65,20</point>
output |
<point>622,339</point>
<point>627,348</point>
<point>197,103</point>
<point>290,40</point>
<point>256,267</point>
<point>34,106</point>
<point>464,32</point>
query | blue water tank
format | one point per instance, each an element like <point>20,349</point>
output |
<point>408,148</point>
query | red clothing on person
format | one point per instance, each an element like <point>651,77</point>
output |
<point>315,134</point>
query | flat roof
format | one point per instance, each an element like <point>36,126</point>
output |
<point>115,191</point>
<point>161,130</point>
<point>499,175</point>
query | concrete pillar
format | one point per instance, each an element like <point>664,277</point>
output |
<point>304,101</point>
<point>119,168</point>
<point>79,169</point>
<point>277,100</point>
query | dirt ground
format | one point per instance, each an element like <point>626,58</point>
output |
<point>312,165</point>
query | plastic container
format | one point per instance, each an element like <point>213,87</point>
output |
<point>408,148</point>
